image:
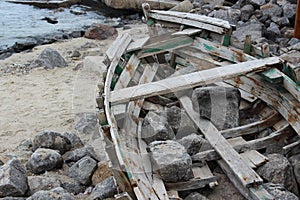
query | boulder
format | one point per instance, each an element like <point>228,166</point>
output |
<point>87,124</point>
<point>25,145</point>
<point>279,192</point>
<point>295,162</point>
<point>257,3</point>
<point>137,4</point>
<point>100,32</point>
<point>271,10</point>
<point>75,140</point>
<point>54,194</point>
<point>171,160</point>
<point>77,154</point>
<point>231,15</point>
<point>252,28</point>
<point>102,172</point>
<point>273,32</point>
<point>219,104</point>
<point>83,170</point>
<point>43,160</point>
<point>195,196</point>
<point>293,41</point>
<point>13,179</point>
<point>49,58</point>
<point>156,127</point>
<point>185,6</point>
<point>289,11</point>
<point>54,180</point>
<point>279,170</point>
<point>106,189</point>
<point>52,140</point>
<point>181,124</point>
<point>246,12</point>
<point>194,143</point>
<point>281,21</point>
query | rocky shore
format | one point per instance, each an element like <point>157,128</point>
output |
<point>50,143</point>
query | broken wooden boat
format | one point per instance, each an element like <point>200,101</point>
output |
<point>162,69</point>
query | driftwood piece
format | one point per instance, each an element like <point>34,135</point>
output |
<point>187,81</point>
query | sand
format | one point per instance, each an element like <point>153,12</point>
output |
<point>51,99</point>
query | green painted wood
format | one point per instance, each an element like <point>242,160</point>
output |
<point>272,76</point>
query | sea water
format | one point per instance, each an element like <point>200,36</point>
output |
<point>19,21</point>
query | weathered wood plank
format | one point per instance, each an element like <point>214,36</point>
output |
<point>123,43</point>
<point>241,145</point>
<point>127,72</point>
<point>275,76</point>
<point>137,44</point>
<point>254,157</point>
<point>260,193</point>
<point>226,53</point>
<point>195,17</point>
<point>183,82</point>
<point>281,100</point>
<point>116,47</point>
<point>188,22</point>
<point>188,31</point>
<point>164,46</point>
<point>241,170</point>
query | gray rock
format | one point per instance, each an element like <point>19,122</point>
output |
<point>257,2</point>
<point>279,170</point>
<point>83,170</point>
<point>25,145</point>
<point>49,58</point>
<point>293,1</point>
<point>271,10</point>
<point>77,154</point>
<point>289,10</point>
<point>279,192</point>
<point>295,162</point>
<point>51,140</point>
<point>274,49</point>
<point>156,127</point>
<point>252,28</point>
<point>75,140</point>
<point>100,31</point>
<point>194,143</point>
<point>281,21</point>
<point>171,160</point>
<point>13,179</point>
<point>293,41</point>
<point>273,32</point>
<point>195,196</point>
<point>184,6</point>
<point>181,124</point>
<point>13,198</point>
<point>43,160</point>
<point>231,15</point>
<point>246,12</point>
<point>106,189</point>
<point>53,180</point>
<point>219,104</point>
<point>54,194</point>
<point>88,124</point>
<point>283,42</point>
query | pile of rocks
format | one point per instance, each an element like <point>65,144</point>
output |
<point>56,166</point>
<point>172,139</point>
<point>265,20</point>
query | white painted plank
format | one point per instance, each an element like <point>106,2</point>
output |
<point>188,31</point>
<point>183,82</point>
<point>195,17</point>
<point>137,44</point>
<point>189,22</point>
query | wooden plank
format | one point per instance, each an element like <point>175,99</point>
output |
<point>113,49</point>
<point>293,71</point>
<point>226,53</point>
<point>128,72</point>
<point>188,31</point>
<point>254,157</point>
<point>195,17</point>
<point>281,100</point>
<point>241,145</point>
<point>123,42</point>
<point>241,170</point>
<point>204,172</point>
<point>259,193</point>
<point>165,45</point>
<point>297,22</point>
<point>191,80</point>
<point>189,22</point>
<point>137,44</point>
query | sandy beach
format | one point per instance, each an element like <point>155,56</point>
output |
<point>51,99</point>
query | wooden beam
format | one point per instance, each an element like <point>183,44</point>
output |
<point>297,22</point>
<point>247,176</point>
<point>187,81</point>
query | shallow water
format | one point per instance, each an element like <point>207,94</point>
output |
<point>19,22</point>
